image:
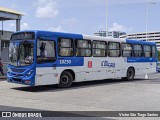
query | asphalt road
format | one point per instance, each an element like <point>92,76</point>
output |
<point>107,95</point>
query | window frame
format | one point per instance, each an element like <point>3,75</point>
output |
<point>126,50</point>
<point>59,47</point>
<point>147,51</point>
<point>142,55</point>
<point>106,50</point>
<point>76,41</point>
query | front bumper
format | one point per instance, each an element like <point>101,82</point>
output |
<point>20,79</point>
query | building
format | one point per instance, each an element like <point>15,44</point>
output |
<point>5,38</point>
<point>7,14</point>
<point>113,34</point>
<point>150,36</point>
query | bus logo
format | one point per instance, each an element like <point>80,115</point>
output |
<point>6,114</point>
<point>108,64</point>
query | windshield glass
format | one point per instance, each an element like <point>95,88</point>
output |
<point>21,53</point>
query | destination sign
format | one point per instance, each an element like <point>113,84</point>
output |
<point>23,36</point>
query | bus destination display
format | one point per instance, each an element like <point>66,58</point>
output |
<point>23,36</point>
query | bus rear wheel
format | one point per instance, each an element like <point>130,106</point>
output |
<point>66,80</point>
<point>130,73</point>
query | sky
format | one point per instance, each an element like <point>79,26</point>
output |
<point>85,16</point>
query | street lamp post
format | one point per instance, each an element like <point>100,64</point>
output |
<point>106,16</point>
<point>147,20</point>
<point>147,12</point>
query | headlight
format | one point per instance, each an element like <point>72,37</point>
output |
<point>29,73</point>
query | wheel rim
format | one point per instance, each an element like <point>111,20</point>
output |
<point>64,79</point>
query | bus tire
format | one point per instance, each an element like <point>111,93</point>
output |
<point>66,80</point>
<point>130,73</point>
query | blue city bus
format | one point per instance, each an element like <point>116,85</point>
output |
<point>47,58</point>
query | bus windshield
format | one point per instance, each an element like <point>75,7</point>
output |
<point>21,53</point>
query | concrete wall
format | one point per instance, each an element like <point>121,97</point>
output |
<point>6,35</point>
<point>5,54</point>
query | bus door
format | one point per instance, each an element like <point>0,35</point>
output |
<point>113,63</point>
<point>83,60</point>
<point>99,51</point>
<point>113,67</point>
<point>46,62</point>
<point>99,71</point>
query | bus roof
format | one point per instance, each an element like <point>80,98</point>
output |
<point>91,37</point>
<point>74,35</point>
<point>140,42</point>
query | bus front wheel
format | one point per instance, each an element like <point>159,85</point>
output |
<point>66,80</point>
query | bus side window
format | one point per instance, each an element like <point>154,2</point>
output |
<point>126,50</point>
<point>65,47</point>
<point>114,49</point>
<point>83,48</point>
<point>137,50</point>
<point>42,49</point>
<point>45,51</point>
<point>153,51</point>
<point>147,51</point>
<point>99,48</point>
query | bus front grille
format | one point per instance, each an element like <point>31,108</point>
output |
<point>17,80</point>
